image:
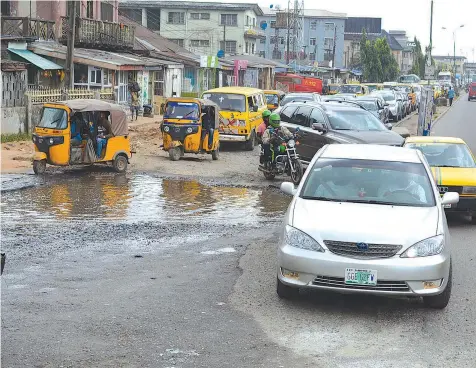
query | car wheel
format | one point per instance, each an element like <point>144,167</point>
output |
<point>39,167</point>
<point>440,301</point>
<point>285,291</point>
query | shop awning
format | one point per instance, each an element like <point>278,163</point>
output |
<point>35,59</point>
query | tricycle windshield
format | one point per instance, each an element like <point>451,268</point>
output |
<point>351,88</point>
<point>182,110</point>
<point>271,99</point>
<point>53,118</point>
<point>227,101</point>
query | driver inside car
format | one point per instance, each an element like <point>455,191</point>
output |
<point>337,183</point>
<point>402,182</point>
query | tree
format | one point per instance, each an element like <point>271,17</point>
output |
<point>418,67</point>
<point>388,63</point>
<point>377,60</point>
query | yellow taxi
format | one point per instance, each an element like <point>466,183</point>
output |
<point>454,169</point>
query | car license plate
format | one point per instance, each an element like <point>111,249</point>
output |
<point>355,276</point>
<point>447,206</point>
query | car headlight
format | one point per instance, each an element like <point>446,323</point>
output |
<point>425,248</point>
<point>189,130</point>
<point>291,143</point>
<point>296,238</point>
<point>166,128</point>
<point>469,190</point>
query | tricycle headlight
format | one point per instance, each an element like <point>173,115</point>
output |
<point>425,248</point>
<point>241,123</point>
<point>166,128</point>
<point>189,130</point>
<point>296,238</point>
<point>51,141</point>
<point>291,143</point>
<point>469,190</point>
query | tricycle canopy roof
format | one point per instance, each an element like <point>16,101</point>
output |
<point>117,113</point>
<point>203,103</point>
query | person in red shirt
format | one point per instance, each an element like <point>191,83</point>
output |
<point>264,125</point>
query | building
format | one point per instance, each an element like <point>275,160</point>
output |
<point>446,63</point>
<point>407,52</point>
<point>201,27</point>
<point>322,38</point>
<point>354,27</point>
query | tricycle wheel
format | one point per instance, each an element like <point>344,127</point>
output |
<point>251,143</point>
<point>216,152</point>
<point>39,167</point>
<point>120,164</point>
<point>175,153</point>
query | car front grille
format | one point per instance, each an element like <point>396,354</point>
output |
<point>361,250</point>
<point>443,189</point>
<point>339,283</point>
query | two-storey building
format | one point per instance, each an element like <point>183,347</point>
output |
<point>203,28</point>
<point>321,41</point>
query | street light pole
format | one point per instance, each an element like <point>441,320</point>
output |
<point>454,48</point>
<point>431,38</point>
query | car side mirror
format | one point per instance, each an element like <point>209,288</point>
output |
<point>389,126</point>
<point>255,108</point>
<point>319,127</point>
<point>450,198</point>
<point>386,104</point>
<point>288,188</point>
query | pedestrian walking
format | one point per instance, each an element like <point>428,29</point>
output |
<point>134,104</point>
<point>451,95</point>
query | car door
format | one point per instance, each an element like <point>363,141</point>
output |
<point>300,119</point>
<point>315,139</point>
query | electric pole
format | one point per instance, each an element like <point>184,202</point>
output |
<point>70,43</point>
<point>224,36</point>
<point>431,38</point>
<point>288,35</point>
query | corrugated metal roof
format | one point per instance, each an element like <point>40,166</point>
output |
<point>257,61</point>
<point>99,58</point>
<point>190,5</point>
<point>40,62</point>
<point>311,13</point>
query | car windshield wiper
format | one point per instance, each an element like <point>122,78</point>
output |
<point>344,129</point>
<point>446,166</point>
<point>385,203</point>
<point>324,199</point>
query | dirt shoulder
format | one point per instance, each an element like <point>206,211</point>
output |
<point>146,140</point>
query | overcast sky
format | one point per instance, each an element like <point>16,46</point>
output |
<point>412,16</point>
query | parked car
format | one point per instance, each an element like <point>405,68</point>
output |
<point>296,97</point>
<point>472,91</point>
<point>403,97</point>
<point>330,123</point>
<point>417,88</point>
<point>375,106</point>
<point>395,105</point>
<point>367,219</point>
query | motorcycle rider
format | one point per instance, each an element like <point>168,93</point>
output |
<point>270,138</point>
<point>264,125</point>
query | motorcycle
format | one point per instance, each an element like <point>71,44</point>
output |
<point>287,162</point>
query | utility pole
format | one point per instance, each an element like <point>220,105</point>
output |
<point>70,43</point>
<point>289,34</point>
<point>224,36</point>
<point>431,38</point>
<point>454,55</point>
<point>334,48</point>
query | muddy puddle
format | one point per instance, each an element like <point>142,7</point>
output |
<point>139,198</point>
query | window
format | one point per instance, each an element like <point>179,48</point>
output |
<point>354,120</point>
<point>200,43</point>
<point>277,55</point>
<point>95,75</point>
<point>159,83</point>
<point>247,47</point>
<point>313,25</point>
<point>202,16</point>
<point>312,41</point>
<point>176,18</point>
<point>312,56</point>
<point>53,118</point>
<point>153,19</point>
<point>273,24</point>
<point>262,54</point>
<point>254,22</point>
<point>281,40</point>
<point>262,41</point>
<point>89,9</point>
<point>317,117</point>
<point>272,40</point>
<point>287,113</point>
<point>252,48</point>
<point>107,11</point>
<point>77,5</point>
<point>80,75</point>
<point>329,26</point>
<point>178,41</point>
<point>107,78</point>
<point>229,20</point>
<point>328,56</point>
<point>301,116</point>
<point>248,21</point>
<point>328,43</point>
<point>229,47</point>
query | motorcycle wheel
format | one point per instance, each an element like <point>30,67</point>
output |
<point>296,176</point>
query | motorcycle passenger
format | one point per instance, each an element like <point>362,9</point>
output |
<point>264,125</point>
<point>271,141</point>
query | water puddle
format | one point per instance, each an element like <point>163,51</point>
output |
<point>139,198</point>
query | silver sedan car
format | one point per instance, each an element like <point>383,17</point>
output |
<point>367,219</point>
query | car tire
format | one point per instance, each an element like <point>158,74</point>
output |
<point>39,167</point>
<point>285,291</point>
<point>120,164</point>
<point>440,301</point>
<point>251,143</point>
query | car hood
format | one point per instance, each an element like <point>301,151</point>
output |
<point>384,137</point>
<point>454,176</point>
<point>355,222</point>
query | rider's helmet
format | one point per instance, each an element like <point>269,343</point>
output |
<point>266,114</point>
<point>275,120</point>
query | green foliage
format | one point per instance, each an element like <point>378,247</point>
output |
<point>378,62</point>
<point>18,137</point>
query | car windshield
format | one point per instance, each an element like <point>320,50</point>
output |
<point>271,99</point>
<point>369,105</point>
<point>388,97</point>
<point>372,88</point>
<point>297,98</point>
<point>227,101</point>
<point>354,119</point>
<point>53,119</point>
<point>334,88</point>
<point>350,88</point>
<point>445,154</point>
<point>182,110</point>
<point>369,181</point>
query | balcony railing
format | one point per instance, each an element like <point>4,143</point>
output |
<point>28,27</point>
<point>254,32</point>
<point>99,34</point>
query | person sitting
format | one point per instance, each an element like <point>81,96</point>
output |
<point>104,133</point>
<point>403,182</point>
<point>208,125</point>
<point>264,125</point>
<point>337,183</point>
<point>272,135</point>
<point>76,127</point>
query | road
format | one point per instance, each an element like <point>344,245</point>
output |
<point>107,270</point>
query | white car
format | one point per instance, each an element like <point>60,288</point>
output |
<point>367,219</point>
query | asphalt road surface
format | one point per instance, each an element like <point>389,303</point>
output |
<point>138,271</point>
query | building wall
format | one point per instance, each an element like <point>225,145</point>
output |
<point>314,28</point>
